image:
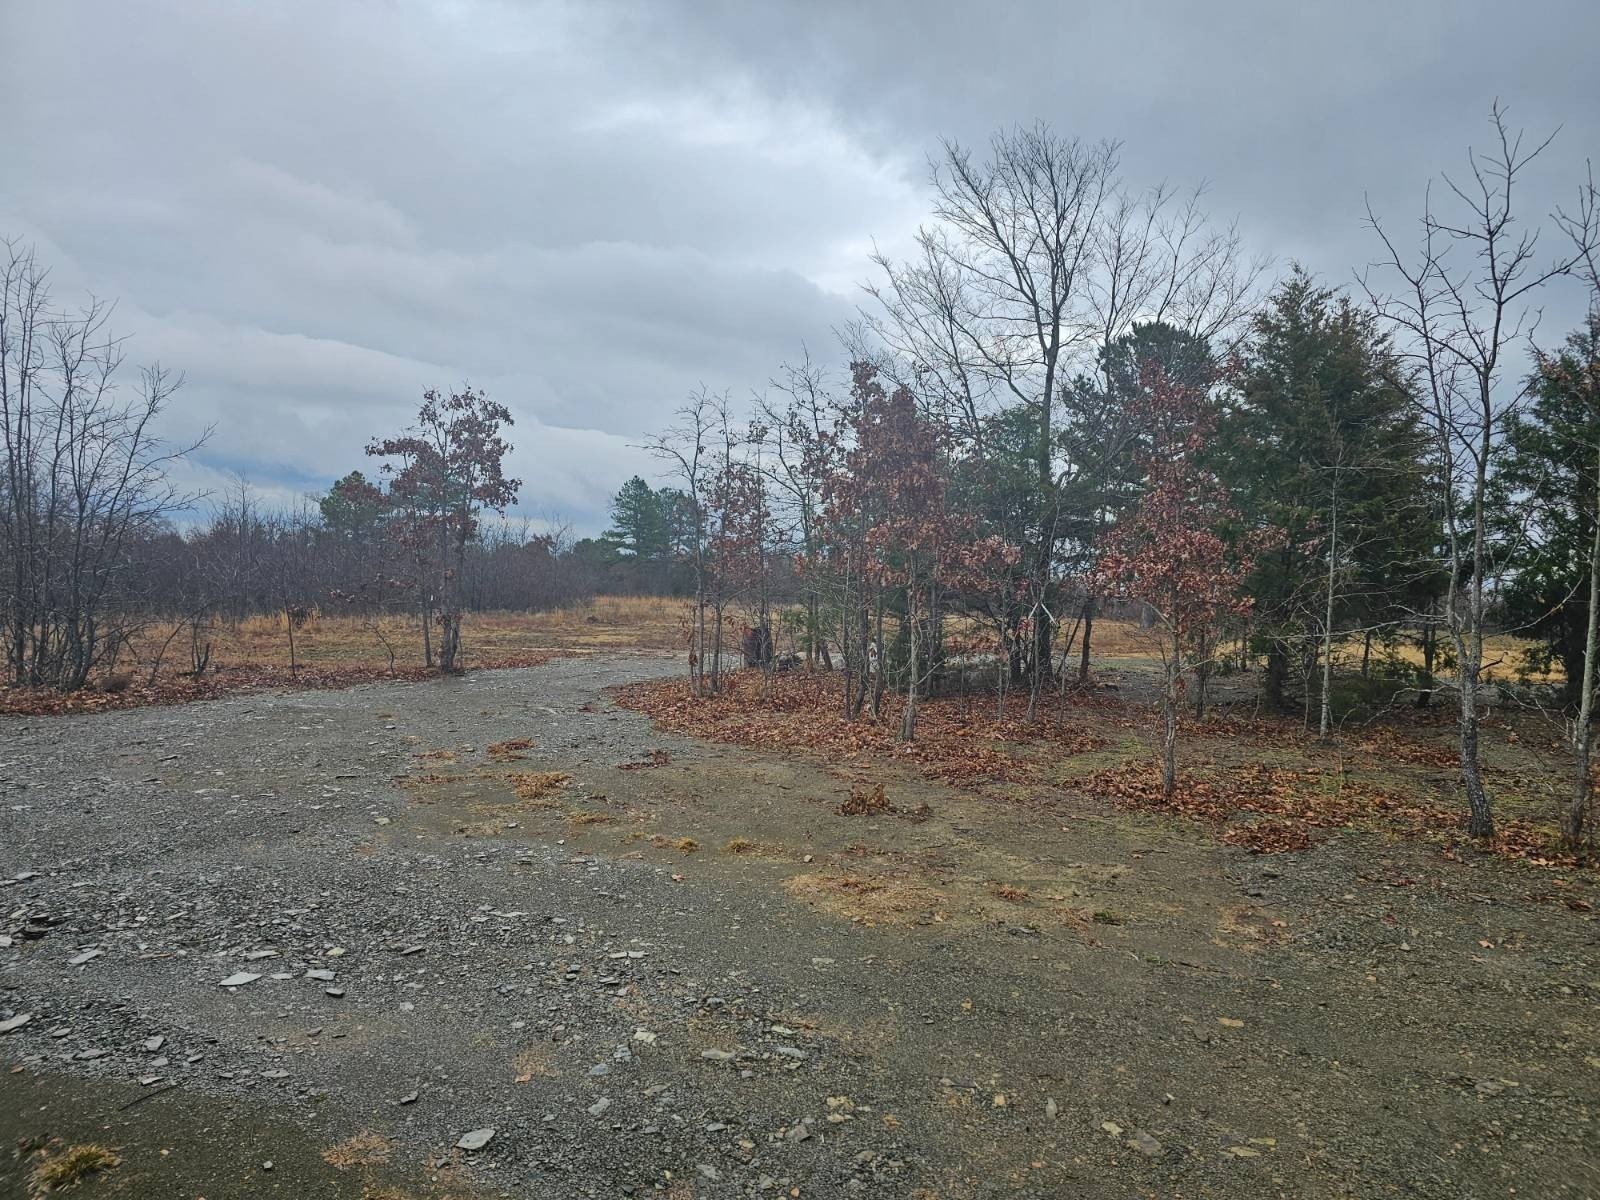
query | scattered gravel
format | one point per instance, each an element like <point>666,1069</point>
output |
<point>236,899</point>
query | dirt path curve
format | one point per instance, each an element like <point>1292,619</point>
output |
<point>661,968</point>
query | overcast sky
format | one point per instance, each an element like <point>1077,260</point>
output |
<point>315,210</point>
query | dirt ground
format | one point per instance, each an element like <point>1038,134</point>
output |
<point>660,966</point>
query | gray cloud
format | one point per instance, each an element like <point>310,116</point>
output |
<point>317,210</point>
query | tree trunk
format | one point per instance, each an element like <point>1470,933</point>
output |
<point>1481,822</point>
<point>1041,659</point>
<point>449,640</point>
<point>1577,823</point>
<point>858,615</point>
<point>1169,722</point>
<point>1088,631</point>
<point>1469,646</point>
<point>880,679</point>
<point>716,647</point>
<point>1202,678</point>
<point>811,631</point>
<point>288,624</point>
<point>1277,674</point>
<point>1430,644</point>
<point>452,561</point>
<point>1469,656</point>
<point>847,656</point>
<point>908,719</point>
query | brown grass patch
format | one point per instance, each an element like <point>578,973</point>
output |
<point>687,844</point>
<point>425,779</point>
<point>533,1063</point>
<point>884,899</point>
<point>334,650</point>
<point>366,1149</point>
<point>331,651</point>
<point>510,750</point>
<point>60,1169</point>
<point>534,787</point>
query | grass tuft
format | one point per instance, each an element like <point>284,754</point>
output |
<point>67,1168</point>
<point>536,786</point>
<point>366,1149</point>
<point>1005,891</point>
<point>510,750</point>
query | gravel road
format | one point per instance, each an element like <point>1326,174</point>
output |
<point>233,911</point>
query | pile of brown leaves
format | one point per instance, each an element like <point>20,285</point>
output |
<point>1270,837</point>
<point>1292,802</point>
<point>1391,745</point>
<point>865,802</point>
<point>803,711</point>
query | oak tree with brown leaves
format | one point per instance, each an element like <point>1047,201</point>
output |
<point>1171,556</point>
<point>450,469</point>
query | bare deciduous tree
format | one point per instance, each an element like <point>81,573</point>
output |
<point>84,477</point>
<point>1460,301</point>
<point>1038,255</point>
<point>687,446</point>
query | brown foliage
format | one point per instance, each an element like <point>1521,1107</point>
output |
<point>865,802</point>
<point>802,711</point>
<point>1294,802</point>
<point>1269,837</point>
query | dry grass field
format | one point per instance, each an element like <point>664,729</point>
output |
<point>338,651</point>
<point>332,650</point>
<point>604,624</point>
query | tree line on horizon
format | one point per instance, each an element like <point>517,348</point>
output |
<point>1075,398</point>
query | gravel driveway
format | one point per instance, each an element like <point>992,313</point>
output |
<point>232,911</point>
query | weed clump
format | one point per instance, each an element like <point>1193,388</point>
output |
<point>535,786</point>
<point>864,802</point>
<point>510,750</point>
<point>59,1170</point>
